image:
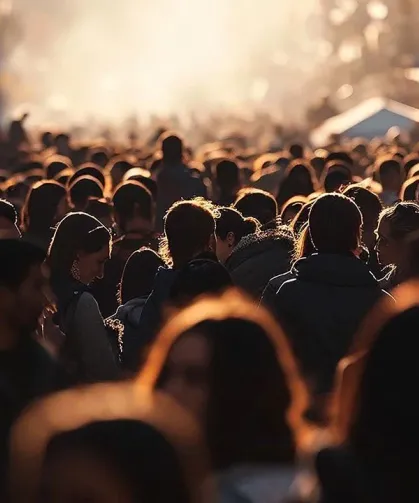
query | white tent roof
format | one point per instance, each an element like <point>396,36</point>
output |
<point>369,119</point>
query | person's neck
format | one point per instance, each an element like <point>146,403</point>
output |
<point>9,337</point>
<point>138,226</point>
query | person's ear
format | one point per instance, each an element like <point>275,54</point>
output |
<point>231,239</point>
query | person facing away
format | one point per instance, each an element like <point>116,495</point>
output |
<point>135,287</point>
<point>231,367</point>
<point>82,189</point>
<point>396,229</point>
<point>189,233</point>
<point>45,205</point>
<point>26,369</point>
<point>390,173</point>
<point>175,181</point>
<point>226,182</point>
<point>134,214</point>
<point>322,307</point>
<point>8,221</point>
<point>108,443</point>
<point>258,204</point>
<point>375,457</point>
<point>77,255</point>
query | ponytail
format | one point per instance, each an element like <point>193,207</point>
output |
<point>231,220</point>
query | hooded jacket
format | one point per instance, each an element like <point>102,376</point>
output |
<point>321,310</point>
<point>258,258</point>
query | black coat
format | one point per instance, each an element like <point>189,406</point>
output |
<point>321,310</point>
<point>258,258</point>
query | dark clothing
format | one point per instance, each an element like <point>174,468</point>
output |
<point>26,373</point>
<point>321,310</point>
<point>40,239</point>
<point>258,258</point>
<point>105,290</point>
<point>176,182</point>
<point>151,316</point>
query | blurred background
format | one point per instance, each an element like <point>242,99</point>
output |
<point>69,62</point>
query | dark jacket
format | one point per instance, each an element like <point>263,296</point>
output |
<point>151,317</point>
<point>321,310</point>
<point>26,373</point>
<point>258,258</point>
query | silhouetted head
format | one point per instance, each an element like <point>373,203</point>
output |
<point>335,224</point>
<point>134,207</point>
<point>56,165</point>
<point>230,365</point>
<point>390,174</point>
<point>23,285</point>
<point>231,228</point>
<point>139,273</point>
<point>82,189</point>
<point>8,221</point>
<point>172,148</point>
<point>395,226</point>
<point>89,169</point>
<point>291,209</point>
<point>80,247</point>
<point>257,204</point>
<point>227,176</point>
<point>370,206</point>
<point>45,205</point>
<point>336,176</point>
<point>189,229</point>
<point>100,209</point>
<point>409,189</point>
<point>299,180</point>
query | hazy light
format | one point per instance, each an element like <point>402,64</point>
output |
<point>344,92</point>
<point>350,51</point>
<point>259,90</point>
<point>377,10</point>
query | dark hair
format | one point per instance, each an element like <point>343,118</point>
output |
<point>227,175</point>
<point>99,157</point>
<point>16,259</point>
<point>89,169</point>
<point>335,224</point>
<point>40,209</point>
<point>8,211</point>
<point>409,188</point>
<point>99,208</point>
<point>137,452</point>
<point>139,175</point>
<point>340,157</point>
<point>199,277</point>
<point>139,273</point>
<point>76,232</point>
<point>257,204</point>
<point>231,220</point>
<point>410,161</point>
<point>82,189</point>
<point>403,219</point>
<point>336,177</point>
<point>389,167</point>
<point>172,148</point>
<point>301,218</point>
<point>253,380</point>
<point>384,426</point>
<point>294,205</point>
<point>55,165</point>
<point>303,245</point>
<point>368,202</point>
<point>297,150</point>
<point>132,199</point>
<point>299,180</point>
<point>188,227</point>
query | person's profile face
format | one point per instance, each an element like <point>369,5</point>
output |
<point>387,248</point>
<point>91,265</point>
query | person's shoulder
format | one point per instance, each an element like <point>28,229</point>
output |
<point>86,301</point>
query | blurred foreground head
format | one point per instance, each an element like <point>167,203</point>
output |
<point>232,367</point>
<point>107,443</point>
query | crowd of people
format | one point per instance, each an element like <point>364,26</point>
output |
<point>223,323</point>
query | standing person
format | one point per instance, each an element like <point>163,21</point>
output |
<point>258,204</point>
<point>134,214</point>
<point>299,180</point>
<point>231,366</point>
<point>45,205</point>
<point>189,229</point>
<point>395,227</point>
<point>77,255</point>
<point>371,207</point>
<point>227,182</point>
<point>391,177</point>
<point>26,369</point>
<point>375,457</point>
<point>175,181</point>
<point>8,221</point>
<point>333,290</point>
